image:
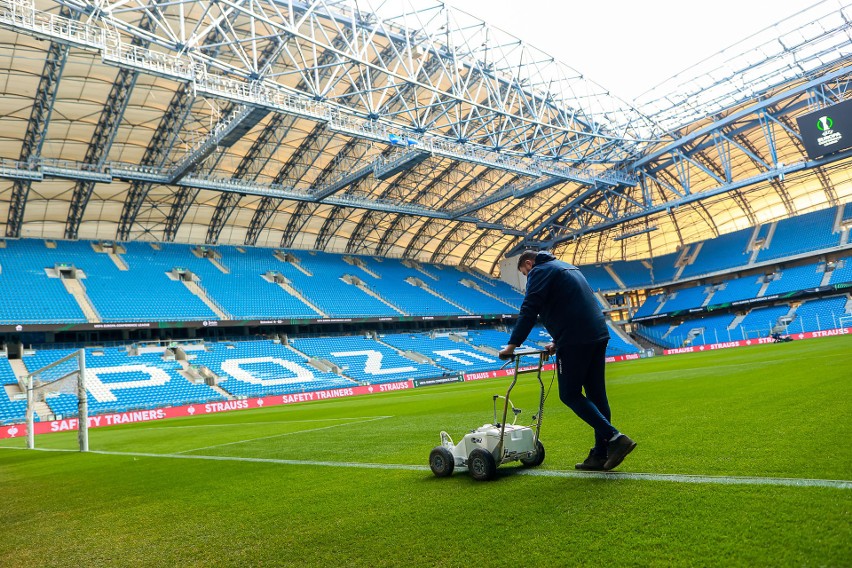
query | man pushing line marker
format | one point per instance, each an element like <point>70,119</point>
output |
<point>559,292</point>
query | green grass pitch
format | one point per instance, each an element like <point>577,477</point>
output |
<point>300,499</point>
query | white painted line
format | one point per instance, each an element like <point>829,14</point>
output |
<point>285,434</point>
<point>610,476</point>
<point>684,478</point>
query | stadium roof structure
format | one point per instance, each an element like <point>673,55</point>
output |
<point>395,129</point>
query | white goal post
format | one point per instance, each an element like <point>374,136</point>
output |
<point>65,376</point>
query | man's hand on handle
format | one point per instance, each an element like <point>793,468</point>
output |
<point>507,353</point>
<point>551,348</point>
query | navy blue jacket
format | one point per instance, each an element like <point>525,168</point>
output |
<point>559,292</point>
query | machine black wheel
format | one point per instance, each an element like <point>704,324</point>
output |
<point>536,459</point>
<point>441,461</point>
<point>481,465</point>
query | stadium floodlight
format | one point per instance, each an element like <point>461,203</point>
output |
<point>65,376</point>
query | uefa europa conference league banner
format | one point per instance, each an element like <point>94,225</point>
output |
<point>827,130</point>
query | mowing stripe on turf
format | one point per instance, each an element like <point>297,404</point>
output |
<point>373,419</point>
<point>609,476</point>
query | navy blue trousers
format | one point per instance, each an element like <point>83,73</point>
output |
<point>582,368</point>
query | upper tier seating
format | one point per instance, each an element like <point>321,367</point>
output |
<point>498,288</point>
<point>23,264</point>
<point>244,293</point>
<point>474,302</point>
<point>143,292</point>
<point>650,305</point>
<point>804,233</point>
<point>392,286</point>
<point>598,277</point>
<point>633,273</point>
<point>722,253</point>
<point>150,291</point>
<point>663,268</point>
<point>326,289</point>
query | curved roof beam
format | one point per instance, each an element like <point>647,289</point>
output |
<point>43,103</point>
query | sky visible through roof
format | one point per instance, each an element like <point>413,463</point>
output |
<point>631,47</point>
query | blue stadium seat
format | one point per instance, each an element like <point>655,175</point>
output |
<point>801,234</point>
<point>264,368</point>
<point>446,353</point>
<point>793,279</point>
<point>685,299</point>
<point>843,272</point>
<point>23,270</point>
<point>722,253</point>
<point>821,314</point>
<point>118,382</point>
<point>366,360</point>
<point>737,289</point>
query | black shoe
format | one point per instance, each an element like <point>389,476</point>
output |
<point>592,463</point>
<point>618,450</point>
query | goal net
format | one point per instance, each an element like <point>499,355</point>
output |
<point>63,383</point>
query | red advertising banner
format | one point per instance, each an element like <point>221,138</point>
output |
<point>628,357</point>
<point>17,430</point>
<point>757,341</point>
<point>504,372</point>
<point>547,367</point>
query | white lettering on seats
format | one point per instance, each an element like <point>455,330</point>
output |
<point>104,392</point>
<point>232,367</point>
<point>450,354</point>
<point>374,362</point>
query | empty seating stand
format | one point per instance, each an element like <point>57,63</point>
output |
<point>391,284</point>
<point>118,382</point>
<point>821,314</point>
<point>264,368</point>
<point>802,234</point>
<point>11,411</point>
<point>792,279</point>
<point>24,263</point>
<point>366,360</point>
<point>722,253</point>
<point>444,352</point>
